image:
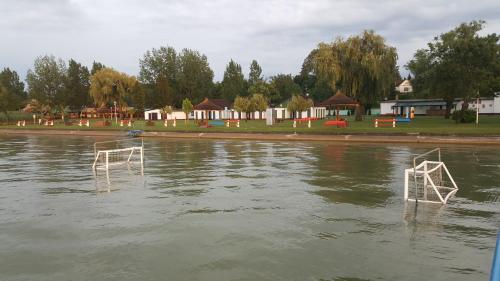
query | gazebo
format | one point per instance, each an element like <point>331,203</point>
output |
<point>210,107</point>
<point>339,100</point>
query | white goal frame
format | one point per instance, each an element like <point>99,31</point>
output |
<point>122,146</point>
<point>420,175</point>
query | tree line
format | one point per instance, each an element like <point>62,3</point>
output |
<point>459,63</point>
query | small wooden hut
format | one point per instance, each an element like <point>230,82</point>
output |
<point>339,100</point>
<point>212,109</point>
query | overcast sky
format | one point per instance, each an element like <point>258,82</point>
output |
<point>278,34</point>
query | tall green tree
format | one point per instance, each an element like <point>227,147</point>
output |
<point>96,66</point>
<point>160,93</point>
<point>283,88</point>
<point>362,67</point>
<point>194,77</point>
<point>76,85</point>
<point>46,81</point>
<point>458,64</point>
<point>15,87</point>
<point>137,98</point>
<point>318,88</point>
<point>5,100</point>
<point>158,73</point>
<point>233,84</point>
<point>255,74</point>
<point>262,88</point>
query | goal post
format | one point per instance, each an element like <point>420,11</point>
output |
<point>429,181</point>
<point>118,152</point>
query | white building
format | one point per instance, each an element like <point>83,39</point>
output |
<point>313,112</point>
<point>486,105</point>
<point>281,113</point>
<point>218,109</point>
<point>437,106</point>
<point>404,87</point>
<point>155,114</point>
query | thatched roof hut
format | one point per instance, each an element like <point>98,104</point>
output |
<point>212,104</point>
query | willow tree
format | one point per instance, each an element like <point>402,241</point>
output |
<point>108,86</point>
<point>363,67</point>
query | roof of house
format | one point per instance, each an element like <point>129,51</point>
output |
<point>414,103</point>
<point>426,102</point>
<point>405,82</point>
<point>339,99</point>
<point>212,104</point>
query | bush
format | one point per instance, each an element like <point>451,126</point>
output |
<point>14,116</point>
<point>464,116</point>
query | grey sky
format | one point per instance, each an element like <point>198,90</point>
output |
<point>278,34</point>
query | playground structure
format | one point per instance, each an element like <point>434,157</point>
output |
<point>215,123</point>
<point>174,122</point>
<point>125,151</point>
<point>307,121</point>
<point>234,122</point>
<point>127,123</point>
<point>84,122</point>
<point>429,181</point>
<point>403,120</point>
<point>384,123</point>
<point>339,123</point>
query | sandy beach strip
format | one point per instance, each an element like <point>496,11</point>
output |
<point>369,138</point>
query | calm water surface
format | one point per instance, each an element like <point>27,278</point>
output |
<point>244,210</point>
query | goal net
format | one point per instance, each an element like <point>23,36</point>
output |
<point>111,153</point>
<point>430,181</point>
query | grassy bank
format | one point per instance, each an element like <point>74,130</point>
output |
<point>489,126</point>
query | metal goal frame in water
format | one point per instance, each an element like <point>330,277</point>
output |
<point>108,153</point>
<point>429,181</point>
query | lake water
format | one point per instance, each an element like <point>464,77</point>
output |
<point>241,210</point>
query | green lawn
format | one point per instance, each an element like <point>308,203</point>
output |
<point>489,125</point>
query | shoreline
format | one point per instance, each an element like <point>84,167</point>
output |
<point>368,138</point>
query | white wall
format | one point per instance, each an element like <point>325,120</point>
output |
<point>486,106</point>
<point>215,114</point>
<point>175,114</point>
<point>386,107</point>
<point>147,114</point>
<point>281,113</point>
<point>315,112</point>
<point>178,115</point>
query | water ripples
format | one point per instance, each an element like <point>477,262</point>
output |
<point>225,210</point>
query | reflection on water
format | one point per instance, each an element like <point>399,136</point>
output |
<point>244,210</point>
<point>107,180</point>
